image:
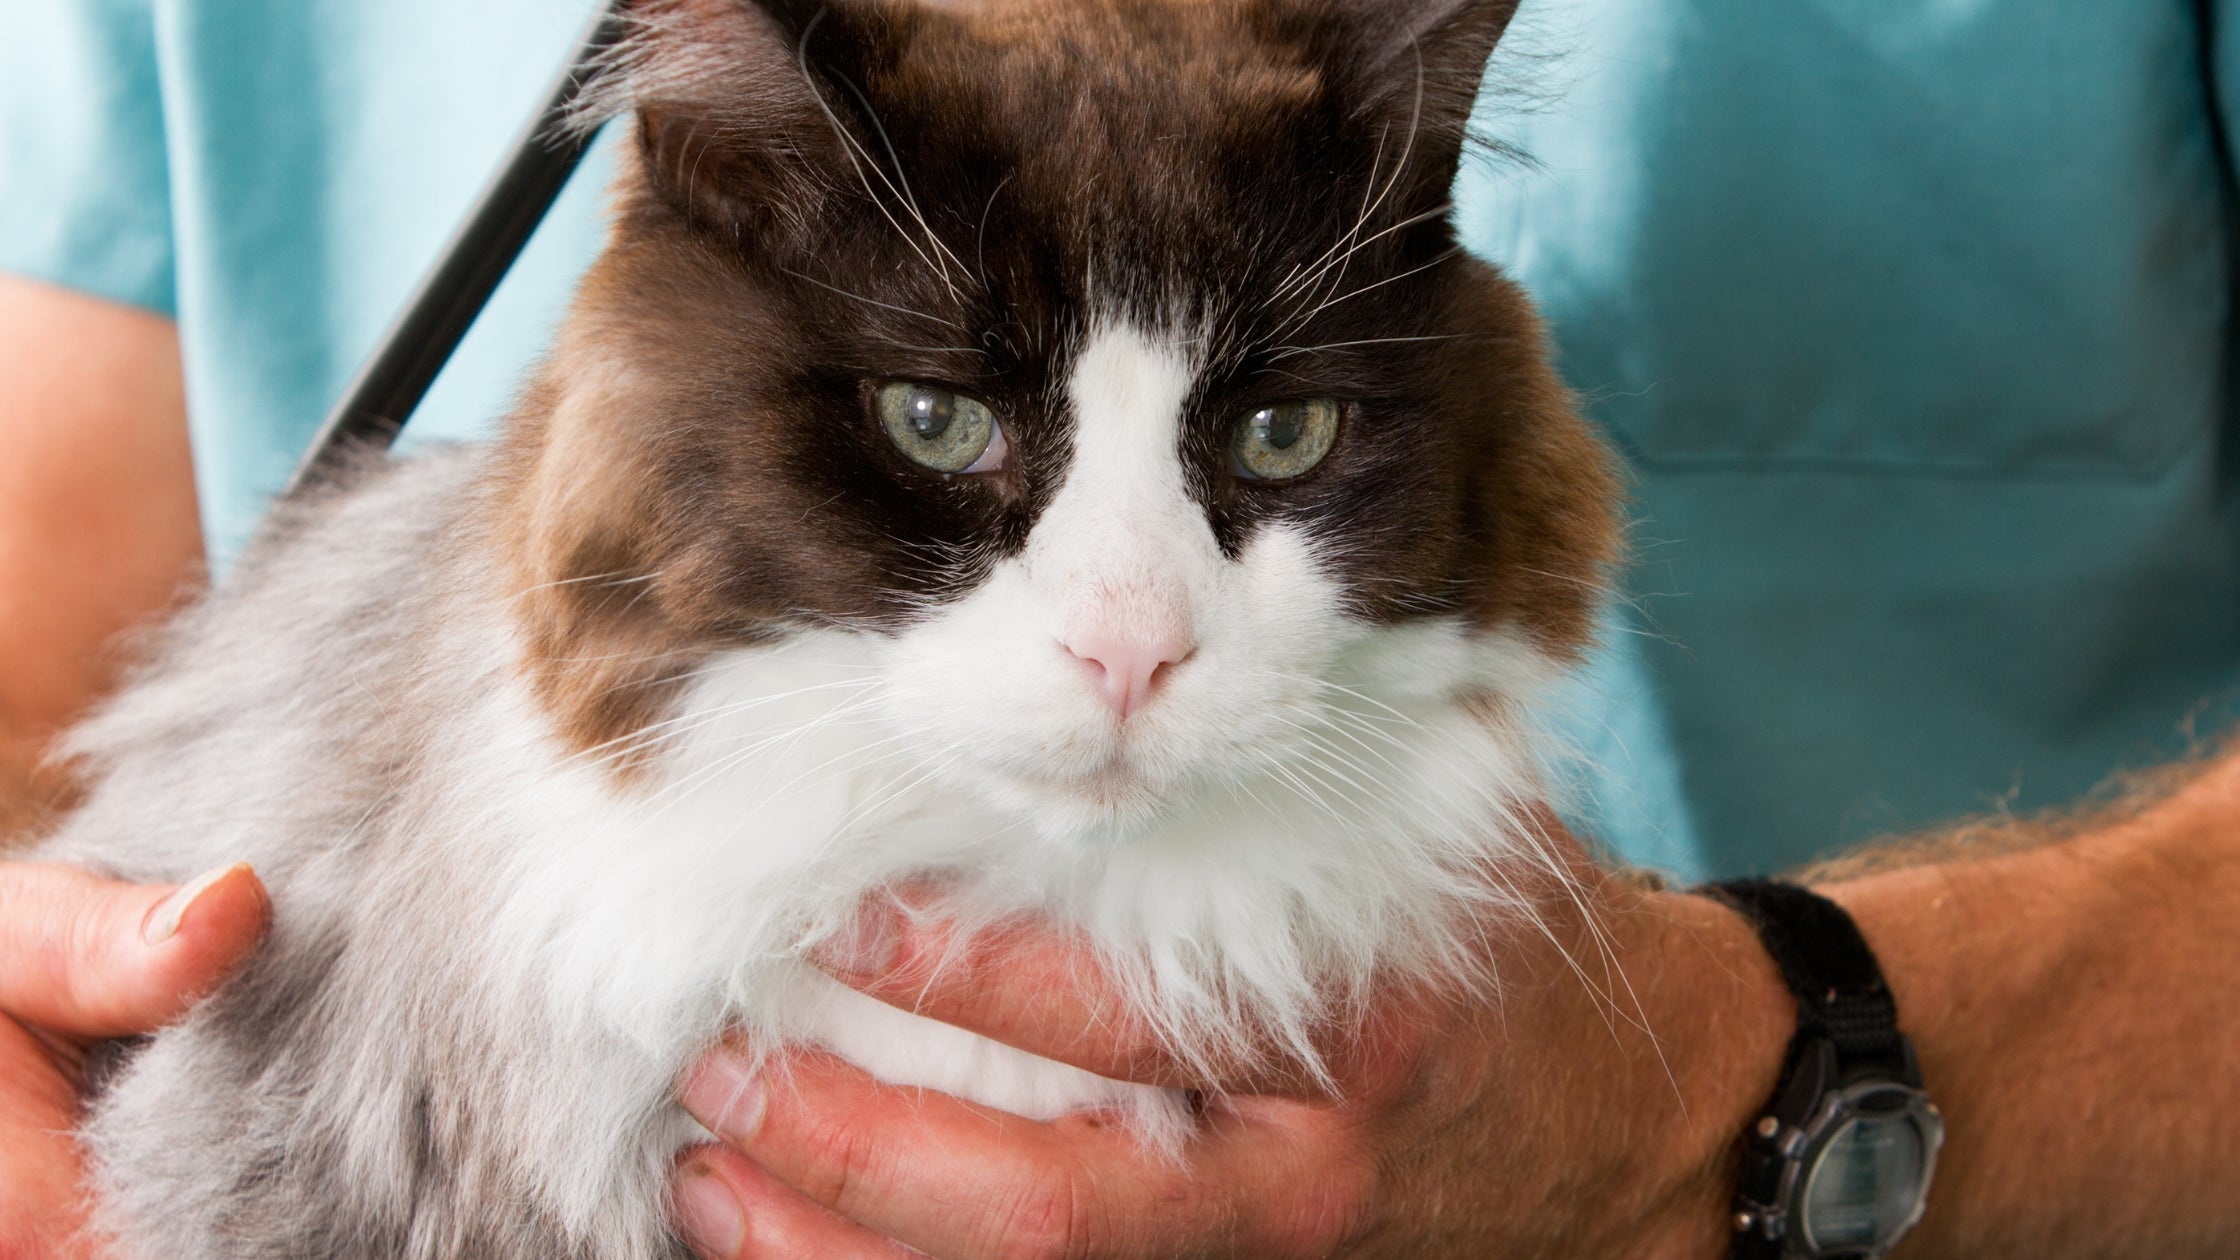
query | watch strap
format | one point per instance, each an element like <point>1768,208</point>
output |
<point>1828,967</point>
<point>1847,1031</point>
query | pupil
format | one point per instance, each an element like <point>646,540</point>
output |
<point>930,412</point>
<point>1280,426</point>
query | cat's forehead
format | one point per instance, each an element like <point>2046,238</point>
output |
<point>1150,114</point>
<point>1040,64</point>
<point>1176,157</point>
<point>1197,150</point>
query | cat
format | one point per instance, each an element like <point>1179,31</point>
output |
<point>1052,453</point>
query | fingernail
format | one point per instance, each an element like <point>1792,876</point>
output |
<point>727,1096</point>
<point>710,1218</point>
<point>866,948</point>
<point>163,921</point>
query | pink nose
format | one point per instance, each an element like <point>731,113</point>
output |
<point>1127,667</point>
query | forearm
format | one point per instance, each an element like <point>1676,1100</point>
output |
<point>2073,987</point>
<point>30,790</point>
<point>15,791</point>
<point>98,527</point>
<point>2075,1009</point>
<point>34,787</point>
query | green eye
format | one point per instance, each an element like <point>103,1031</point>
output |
<point>1285,441</point>
<point>943,430</point>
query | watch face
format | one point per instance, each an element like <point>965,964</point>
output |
<point>1864,1183</point>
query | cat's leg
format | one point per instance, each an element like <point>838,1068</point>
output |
<point>904,1049</point>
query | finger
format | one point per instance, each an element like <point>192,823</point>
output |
<point>1044,991</point>
<point>91,957</point>
<point>729,1209</point>
<point>40,1165</point>
<point>963,1182</point>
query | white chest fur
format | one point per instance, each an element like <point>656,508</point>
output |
<point>789,787</point>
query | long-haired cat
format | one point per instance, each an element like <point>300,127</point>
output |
<point>1048,451</point>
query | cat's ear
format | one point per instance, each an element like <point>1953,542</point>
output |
<point>743,122</point>
<point>1453,37</point>
<point>1415,66</point>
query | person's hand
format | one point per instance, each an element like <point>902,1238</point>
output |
<point>1547,1124</point>
<point>84,958</point>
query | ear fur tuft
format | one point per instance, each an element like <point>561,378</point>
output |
<point>1413,69</point>
<point>1436,47</point>
<point>737,128</point>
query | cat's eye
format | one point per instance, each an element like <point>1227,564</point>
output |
<point>1284,441</point>
<point>941,429</point>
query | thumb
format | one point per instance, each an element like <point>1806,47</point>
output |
<point>90,957</point>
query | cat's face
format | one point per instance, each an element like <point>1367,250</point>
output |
<point>1110,368</point>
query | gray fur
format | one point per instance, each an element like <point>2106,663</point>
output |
<point>361,1088</point>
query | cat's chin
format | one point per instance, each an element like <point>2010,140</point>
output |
<point>1107,805</point>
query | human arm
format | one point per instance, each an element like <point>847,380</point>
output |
<point>98,533</point>
<point>98,529</point>
<point>2068,987</point>
<point>2071,992</point>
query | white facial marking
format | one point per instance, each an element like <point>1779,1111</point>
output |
<point>1121,653</point>
<point>1123,546</point>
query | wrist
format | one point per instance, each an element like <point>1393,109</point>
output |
<point>1723,1018</point>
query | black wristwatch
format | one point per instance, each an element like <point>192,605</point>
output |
<point>1838,1165</point>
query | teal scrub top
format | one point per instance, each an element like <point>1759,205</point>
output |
<point>1911,319</point>
<point>278,174</point>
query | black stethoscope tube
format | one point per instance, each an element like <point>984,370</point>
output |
<point>415,348</point>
